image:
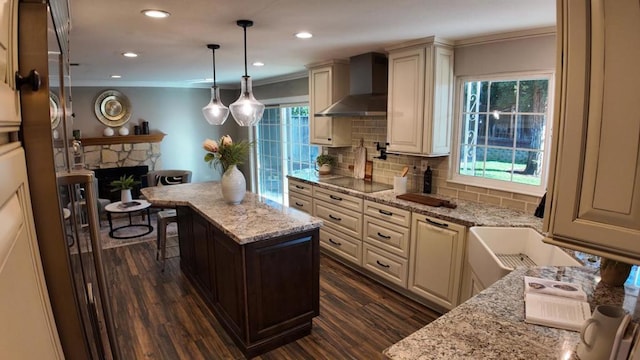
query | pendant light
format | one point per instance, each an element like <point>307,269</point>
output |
<point>215,112</point>
<point>247,111</point>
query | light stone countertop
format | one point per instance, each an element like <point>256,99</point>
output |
<point>466,213</point>
<point>491,324</point>
<point>254,219</point>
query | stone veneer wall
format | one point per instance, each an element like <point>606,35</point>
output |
<point>372,130</point>
<point>118,155</point>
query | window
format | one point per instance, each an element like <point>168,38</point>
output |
<point>503,132</point>
<point>282,147</point>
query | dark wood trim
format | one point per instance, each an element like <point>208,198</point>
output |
<point>38,145</point>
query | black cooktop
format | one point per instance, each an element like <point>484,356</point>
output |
<point>357,184</point>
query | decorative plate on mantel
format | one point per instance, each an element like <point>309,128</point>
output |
<point>55,111</point>
<point>112,108</point>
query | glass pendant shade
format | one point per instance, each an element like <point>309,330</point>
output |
<point>247,111</point>
<point>215,112</point>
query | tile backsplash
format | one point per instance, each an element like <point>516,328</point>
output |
<point>373,130</point>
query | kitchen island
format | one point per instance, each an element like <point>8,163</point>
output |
<point>491,324</point>
<point>255,264</point>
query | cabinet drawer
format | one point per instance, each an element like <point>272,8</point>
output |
<point>388,266</point>
<point>342,245</point>
<point>333,197</point>
<point>388,213</point>
<point>300,202</point>
<point>387,236</point>
<point>343,220</point>
<point>300,187</point>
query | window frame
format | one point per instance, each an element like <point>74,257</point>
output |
<point>281,105</point>
<point>508,186</point>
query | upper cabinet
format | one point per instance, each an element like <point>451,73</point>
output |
<point>595,177</point>
<point>10,111</point>
<point>420,101</point>
<point>328,83</point>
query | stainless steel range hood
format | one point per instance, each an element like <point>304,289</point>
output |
<point>367,88</point>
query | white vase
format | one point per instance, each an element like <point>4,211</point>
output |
<point>125,196</point>
<point>123,131</point>
<point>234,185</point>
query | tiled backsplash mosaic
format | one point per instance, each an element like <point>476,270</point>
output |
<point>373,130</point>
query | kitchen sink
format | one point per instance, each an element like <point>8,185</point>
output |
<point>493,252</point>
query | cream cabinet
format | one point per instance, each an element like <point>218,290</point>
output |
<point>436,258</point>
<point>328,83</point>
<point>300,196</point>
<point>594,203</point>
<point>420,100</point>
<point>386,242</point>
<point>341,233</point>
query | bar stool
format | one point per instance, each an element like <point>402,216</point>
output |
<point>164,217</point>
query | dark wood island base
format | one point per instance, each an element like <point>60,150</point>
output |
<point>264,293</point>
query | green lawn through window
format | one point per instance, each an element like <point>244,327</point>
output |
<point>502,171</point>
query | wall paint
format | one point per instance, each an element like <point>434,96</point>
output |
<point>528,54</point>
<point>173,111</point>
<point>177,113</point>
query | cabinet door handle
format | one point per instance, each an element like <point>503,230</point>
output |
<point>436,223</point>
<point>335,218</point>
<point>384,236</point>
<point>334,242</point>
<point>335,197</point>
<point>300,187</point>
<point>383,212</point>
<point>383,265</point>
<point>329,139</point>
<point>299,204</point>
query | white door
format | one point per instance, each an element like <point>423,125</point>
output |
<point>27,327</point>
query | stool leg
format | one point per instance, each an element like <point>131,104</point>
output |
<point>162,232</point>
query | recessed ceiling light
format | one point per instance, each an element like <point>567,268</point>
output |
<point>157,14</point>
<point>304,35</point>
<point>116,76</point>
<point>129,54</point>
<point>258,63</point>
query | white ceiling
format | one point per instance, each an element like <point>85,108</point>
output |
<point>172,51</point>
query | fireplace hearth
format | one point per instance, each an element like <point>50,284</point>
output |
<point>106,176</point>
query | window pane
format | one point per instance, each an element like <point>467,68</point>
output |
<point>474,128</point>
<point>503,96</point>
<point>530,132</point>
<point>533,96</point>
<point>472,160</point>
<point>499,164</point>
<point>528,167</point>
<point>475,96</point>
<point>501,130</point>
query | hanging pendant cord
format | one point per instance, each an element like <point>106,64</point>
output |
<point>214,68</point>
<point>245,50</point>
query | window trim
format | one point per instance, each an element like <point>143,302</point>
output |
<point>508,186</point>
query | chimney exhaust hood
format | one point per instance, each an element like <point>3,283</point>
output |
<point>367,88</point>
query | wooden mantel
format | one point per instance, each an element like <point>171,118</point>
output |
<point>129,139</point>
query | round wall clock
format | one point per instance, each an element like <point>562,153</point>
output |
<point>112,108</point>
<point>55,111</point>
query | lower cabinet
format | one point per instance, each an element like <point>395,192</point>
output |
<point>436,259</point>
<point>265,293</point>
<point>471,286</point>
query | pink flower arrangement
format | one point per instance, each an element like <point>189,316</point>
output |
<point>225,152</point>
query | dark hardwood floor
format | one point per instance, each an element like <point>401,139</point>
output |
<point>160,316</point>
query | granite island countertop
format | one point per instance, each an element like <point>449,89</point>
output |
<point>254,219</point>
<point>491,324</point>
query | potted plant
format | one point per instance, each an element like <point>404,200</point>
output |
<point>227,154</point>
<point>124,185</point>
<point>325,163</point>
